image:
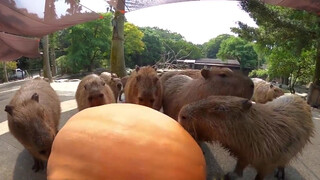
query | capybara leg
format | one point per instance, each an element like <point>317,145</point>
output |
<point>38,165</point>
<point>238,171</point>
<point>261,174</point>
<point>280,174</point>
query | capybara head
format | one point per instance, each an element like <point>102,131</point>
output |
<point>116,82</point>
<point>147,86</point>
<point>227,82</point>
<point>209,119</point>
<point>30,124</point>
<point>277,92</point>
<point>95,94</point>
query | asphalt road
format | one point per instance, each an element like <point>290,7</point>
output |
<point>16,162</point>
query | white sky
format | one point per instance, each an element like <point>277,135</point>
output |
<point>197,21</point>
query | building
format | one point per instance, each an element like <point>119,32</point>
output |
<point>207,63</point>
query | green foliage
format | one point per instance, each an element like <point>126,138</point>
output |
<point>89,42</point>
<point>239,49</point>
<point>259,73</point>
<point>10,65</point>
<point>213,45</point>
<point>288,38</point>
<point>133,44</point>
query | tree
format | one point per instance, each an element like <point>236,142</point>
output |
<point>298,31</point>
<point>237,48</point>
<point>213,45</point>
<point>89,43</point>
<point>117,62</point>
<point>133,44</point>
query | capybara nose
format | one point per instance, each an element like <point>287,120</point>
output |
<point>119,86</point>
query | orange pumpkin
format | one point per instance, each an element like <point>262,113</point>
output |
<point>122,142</point>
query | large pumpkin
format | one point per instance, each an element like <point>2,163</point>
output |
<point>122,142</point>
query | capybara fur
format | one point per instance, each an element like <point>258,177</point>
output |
<point>124,82</point>
<point>193,73</point>
<point>264,92</point>
<point>266,136</point>
<point>144,87</point>
<point>217,81</point>
<point>33,119</point>
<point>114,83</point>
<point>93,91</point>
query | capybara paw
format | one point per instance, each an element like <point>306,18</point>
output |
<point>231,176</point>
<point>38,165</point>
<point>280,174</point>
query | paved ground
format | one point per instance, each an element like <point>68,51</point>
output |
<point>16,162</point>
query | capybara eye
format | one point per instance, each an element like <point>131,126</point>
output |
<point>252,86</point>
<point>140,99</point>
<point>90,98</point>
<point>151,100</point>
<point>183,117</point>
<point>43,152</point>
<point>100,95</point>
<point>223,75</point>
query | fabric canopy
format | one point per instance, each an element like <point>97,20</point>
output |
<point>20,19</point>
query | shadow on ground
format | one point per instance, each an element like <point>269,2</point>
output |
<point>23,168</point>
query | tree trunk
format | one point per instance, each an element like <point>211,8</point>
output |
<point>46,62</point>
<point>5,73</point>
<point>53,58</point>
<point>117,62</point>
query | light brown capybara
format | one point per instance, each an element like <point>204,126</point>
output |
<point>144,87</point>
<point>266,136</point>
<point>114,83</point>
<point>193,73</point>
<point>93,91</point>
<point>33,119</point>
<point>123,82</point>
<point>217,81</point>
<point>264,92</point>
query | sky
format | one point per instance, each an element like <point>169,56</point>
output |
<point>197,21</point>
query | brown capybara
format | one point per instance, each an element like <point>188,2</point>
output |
<point>114,83</point>
<point>264,92</point>
<point>123,82</point>
<point>93,91</point>
<point>266,136</point>
<point>217,81</point>
<point>33,118</point>
<point>144,87</point>
<point>193,73</point>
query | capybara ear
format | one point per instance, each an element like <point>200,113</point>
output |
<point>271,86</point>
<point>35,97</point>
<point>137,68</point>
<point>154,67</point>
<point>9,109</point>
<point>205,73</point>
<point>85,87</point>
<point>246,104</point>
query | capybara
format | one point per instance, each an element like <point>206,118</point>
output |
<point>93,91</point>
<point>124,82</point>
<point>217,81</point>
<point>33,118</point>
<point>266,136</point>
<point>193,73</point>
<point>114,83</point>
<point>265,91</point>
<point>144,87</point>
